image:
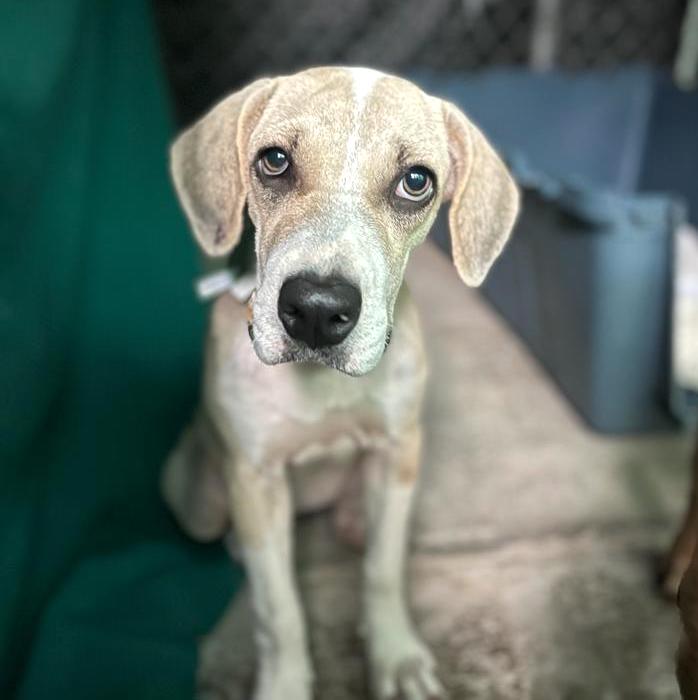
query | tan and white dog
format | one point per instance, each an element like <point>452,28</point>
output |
<point>343,171</point>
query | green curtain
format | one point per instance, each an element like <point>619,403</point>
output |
<point>100,595</point>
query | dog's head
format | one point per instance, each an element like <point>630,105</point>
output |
<point>343,171</point>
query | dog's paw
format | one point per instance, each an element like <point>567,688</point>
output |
<point>284,679</point>
<point>402,668</point>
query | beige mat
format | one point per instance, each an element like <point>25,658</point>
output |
<point>533,539</point>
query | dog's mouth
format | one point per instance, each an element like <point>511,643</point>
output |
<point>332,357</point>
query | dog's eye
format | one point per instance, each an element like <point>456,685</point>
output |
<point>416,185</point>
<point>274,162</point>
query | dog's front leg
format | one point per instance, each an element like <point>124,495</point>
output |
<point>262,513</point>
<point>401,665</point>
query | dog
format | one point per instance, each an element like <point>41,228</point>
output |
<point>680,581</point>
<point>342,171</point>
<point>683,548</point>
<point>687,656</point>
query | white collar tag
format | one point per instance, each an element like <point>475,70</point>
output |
<point>214,284</point>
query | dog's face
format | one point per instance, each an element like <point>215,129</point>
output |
<point>343,171</point>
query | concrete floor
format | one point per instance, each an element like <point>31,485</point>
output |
<point>534,542</point>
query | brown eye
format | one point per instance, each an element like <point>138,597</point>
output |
<point>416,185</point>
<point>274,162</point>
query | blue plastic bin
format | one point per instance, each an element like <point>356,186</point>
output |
<point>586,278</point>
<point>586,282</point>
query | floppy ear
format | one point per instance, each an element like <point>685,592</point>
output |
<point>209,168</point>
<point>484,198</point>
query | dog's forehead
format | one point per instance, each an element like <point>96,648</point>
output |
<point>330,106</point>
<point>343,89</point>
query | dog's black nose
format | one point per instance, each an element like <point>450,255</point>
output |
<point>319,312</point>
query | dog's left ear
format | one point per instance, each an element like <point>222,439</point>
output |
<point>209,168</point>
<point>484,198</point>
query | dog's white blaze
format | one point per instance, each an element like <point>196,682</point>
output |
<point>363,82</point>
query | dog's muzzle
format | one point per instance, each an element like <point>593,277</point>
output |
<point>319,312</point>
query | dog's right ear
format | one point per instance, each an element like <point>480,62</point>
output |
<point>209,168</point>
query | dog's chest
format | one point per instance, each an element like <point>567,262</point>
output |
<point>286,412</point>
<point>282,412</point>
<point>319,431</point>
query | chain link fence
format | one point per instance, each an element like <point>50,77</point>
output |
<point>214,46</point>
